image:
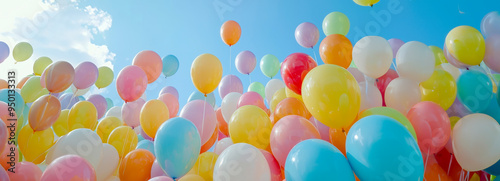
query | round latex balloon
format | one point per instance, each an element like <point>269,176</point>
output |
<point>22,51</point>
<point>336,49</point>
<point>169,89</point>
<point>229,105</point>
<point>105,77</point>
<point>439,57</point>
<point>82,115</point>
<point>492,55</point>
<point>373,56</point>
<point>202,115</point>
<point>124,139</point>
<point>290,106</point>
<point>106,126</point>
<point>230,32</point>
<point>153,114</point>
<point>61,125</point>
<point>109,162</point>
<point>32,89</point>
<point>228,84</point>
<point>336,23</point>
<point>271,87</point>
<point>59,76</point>
<point>402,93</point>
<point>136,165</point>
<point>490,25</point>
<point>466,44</point>
<point>34,145</point>
<point>245,62</point>
<point>250,124</point>
<point>115,111</point>
<point>25,171</point>
<point>253,165</point>
<point>392,113</point>
<point>221,123</point>
<point>197,95</point>
<point>307,35</point>
<point>150,62</point>
<point>40,65</point>
<point>395,45</point>
<point>295,68</point>
<point>370,95</point>
<point>222,145</point>
<point>440,88</point>
<point>100,104</point>
<point>147,145</point>
<point>366,2</point>
<point>170,65</point>
<point>278,96</point>
<point>206,73</point>
<point>44,112</point>
<point>383,82</point>
<point>474,90</point>
<point>69,167</point>
<point>204,166</point>
<point>415,61</point>
<point>274,167</point>
<point>269,65</point>
<point>252,98</point>
<point>86,74</point>
<point>131,83</point>
<point>257,87</point>
<point>156,171</point>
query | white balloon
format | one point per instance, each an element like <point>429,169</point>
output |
<point>229,105</point>
<point>415,61</point>
<point>373,56</point>
<point>79,92</point>
<point>271,87</point>
<point>402,93</point>
<point>115,111</point>
<point>476,142</point>
<point>370,97</point>
<point>108,163</point>
<point>242,162</point>
<point>222,145</point>
<point>454,71</point>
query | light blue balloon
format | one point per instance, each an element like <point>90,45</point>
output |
<point>315,159</point>
<point>474,90</point>
<point>81,98</point>
<point>110,103</point>
<point>140,138</point>
<point>13,98</point>
<point>147,145</point>
<point>197,95</point>
<point>177,146</point>
<point>380,148</point>
<point>170,65</point>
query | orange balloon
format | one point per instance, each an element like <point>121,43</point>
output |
<point>44,112</point>
<point>150,62</point>
<point>136,165</point>
<point>205,147</point>
<point>336,49</point>
<point>3,84</point>
<point>21,83</point>
<point>337,138</point>
<point>59,76</point>
<point>7,155</point>
<point>290,106</point>
<point>230,32</point>
<point>221,123</point>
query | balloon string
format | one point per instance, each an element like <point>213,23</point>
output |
<point>449,165</point>
<point>202,126</point>
<point>395,68</point>
<point>72,97</point>
<point>230,61</point>
<point>249,80</point>
<point>426,160</point>
<point>314,52</point>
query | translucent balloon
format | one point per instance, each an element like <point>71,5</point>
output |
<point>44,112</point>
<point>106,126</point>
<point>146,145</point>
<point>68,167</point>
<point>373,56</point>
<point>22,51</point>
<point>82,115</point>
<point>257,87</point>
<point>490,25</point>
<point>250,124</point>
<point>61,125</point>
<point>278,96</point>
<point>59,76</point>
<point>383,82</point>
<point>206,73</point>
<point>153,114</point>
<point>170,65</point>
<point>336,49</point>
<point>307,35</point>
<point>34,145</point>
<point>290,106</point>
<point>415,61</point>
<point>124,139</point>
<point>131,76</point>
<point>466,44</point>
<point>131,112</point>
<point>150,62</point>
<point>202,115</point>
<point>115,111</point>
<point>136,165</point>
<point>440,88</point>
<point>40,65</point>
<point>230,83</point>
<point>252,169</point>
<point>230,32</point>
<point>245,62</point>
<point>395,45</point>
<point>336,23</point>
<point>105,77</point>
<point>229,105</point>
<point>109,162</point>
<point>269,65</point>
<point>252,98</point>
<point>454,71</point>
<point>402,93</point>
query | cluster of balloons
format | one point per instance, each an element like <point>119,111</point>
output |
<point>435,117</point>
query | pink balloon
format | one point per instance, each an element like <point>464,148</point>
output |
<point>69,167</point>
<point>100,104</point>
<point>274,166</point>
<point>492,54</point>
<point>221,136</point>
<point>3,135</point>
<point>170,90</point>
<point>145,136</point>
<point>157,171</point>
<point>383,82</point>
<point>360,77</point>
<point>86,74</point>
<point>171,102</point>
<point>228,84</point>
<point>252,98</point>
<point>245,62</point>
<point>131,83</point>
<point>3,175</point>
<point>395,45</point>
<point>432,126</point>
<point>131,112</point>
<point>26,171</point>
<point>206,123</point>
<point>307,35</point>
<point>323,130</point>
<point>150,62</point>
<point>288,132</point>
<point>452,60</point>
<point>161,178</point>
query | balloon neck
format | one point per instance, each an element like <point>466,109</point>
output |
<point>371,5</point>
<point>205,95</point>
<point>467,68</point>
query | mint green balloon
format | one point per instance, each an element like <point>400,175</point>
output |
<point>270,65</point>
<point>110,103</point>
<point>336,23</point>
<point>259,88</point>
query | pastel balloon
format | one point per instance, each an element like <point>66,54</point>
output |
<point>211,142</point>
<point>106,126</point>
<point>7,154</point>
<point>115,111</point>
<point>153,114</point>
<point>324,131</point>
<point>336,49</point>
<point>307,35</point>
<point>256,168</point>
<point>229,105</point>
<point>269,65</point>
<point>108,163</point>
<point>86,74</point>
<point>415,61</point>
<point>402,93</point>
<point>177,146</point>
<point>366,2</point>
<point>274,166</point>
<point>131,112</point>
<point>222,144</point>
<point>278,96</point>
<point>370,95</point>
<point>395,45</point>
<point>4,51</point>
<point>25,171</point>
<point>454,71</point>
<point>34,145</point>
<point>228,84</point>
<point>40,65</point>
<point>100,104</point>
<point>124,139</point>
<point>373,56</point>
<point>392,113</point>
<point>32,89</point>
<point>245,62</point>
<point>466,44</point>
<point>171,102</point>
<point>257,87</point>
<point>170,65</point>
<point>221,123</point>
<point>72,145</point>
<point>491,56</point>
<point>230,32</point>
<point>136,165</point>
<point>474,90</point>
<point>131,83</point>
<point>197,95</point>
<point>156,171</point>
<point>490,25</point>
<point>439,57</point>
<point>290,106</point>
<point>146,145</point>
<point>79,92</point>
<point>22,51</point>
<point>169,89</point>
<point>44,112</point>
<point>150,62</point>
<point>336,23</point>
<point>335,109</point>
<point>250,124</point>
<point>206,73</point>
<point>252,98</point>
<point>68,167</point>
<point>59,76</point>
<point>21,83</point>
<point>271,87</point>
<point>452,60</point>
<point>204,166</point>
<point>440,88</point>
<point>60,127</point>
<point>202,115</point>
<point>82,115</point>
<point>383,82</point>
<point>18,102</point>
<point>105,77</point>
<point>3,135</point>
<point>295,68</point>
<point>109,103</point>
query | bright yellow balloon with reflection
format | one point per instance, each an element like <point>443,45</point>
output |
<point>332,96</point>
<point>61,125</point>
<point>440,88</point>
<point>278,96</point>
<point>34,145</point>
<point>33,89</point>
<point>40,65</point>
<point>290,93</point>
<point>366,2</point>
<point>124,139</point>
<point>206,73</point>
<point>438,55</point>
<point>106,126</point>
<point>105,77</point>
<point>153,114</point>
<point>204,166</point>
<point>82,115</point>
<point>466,44</point>
<point>191,177</point>
<point>250,124</point>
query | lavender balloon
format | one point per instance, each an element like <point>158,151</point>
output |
<point>492,54</point>
<point>100,104</point>
<point>458,109</point>
<point>228,84</point>
<point>307,35</point>
<point>170,90</point>
<point>395,45</point>
<point>245,62</point>
<point>490,25</point>
<point>4,51</point>
<point>68,100</point>
<point>86,74</point>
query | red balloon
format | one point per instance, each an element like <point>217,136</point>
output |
<point>383,81</point>
<point>295,68</point>
<point>449,163</point>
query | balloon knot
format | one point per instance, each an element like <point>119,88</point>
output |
<point>371,5</point>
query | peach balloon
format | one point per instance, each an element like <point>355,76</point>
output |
<point>221,123</point>
<point>172,103</point>
<point>290,106</point>
<point>230,32</point>
<point>136,165</point>
<point>150,62</point>
<point>58,76</point>
<point>26,171</point>
<point>44,112</point>
<point>69,167</point>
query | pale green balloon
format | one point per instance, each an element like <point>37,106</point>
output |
<point>259,88</point>
<point>22,51</point>
<point>336,23</point>
<point>269,65</point>
<point>110,103</point>
<point>40,65</point>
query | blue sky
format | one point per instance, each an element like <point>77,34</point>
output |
<point>187,29</point>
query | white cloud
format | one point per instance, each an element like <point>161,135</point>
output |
<point>58,29</point>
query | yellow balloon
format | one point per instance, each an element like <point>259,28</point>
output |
<point>290,93</point>
<point>250,124</point>
<point>22,51</point>
<point>40,65</point>
<point>34,145</point>
<point>33,89</point>
<point>82,115</point>
<point>124,139</point>
<point>191,177</point>
<point>278,96</point>
<point>332,96</point>
<point>466,44</point>
<point>440,88</point>
<point>204,166</point>
<point>61,125</point>
<point>206,72</point>
<point>106,126</point>
<point>438,55</point>
<point>105,77</point>
<point>153,114</point>
<point>453,121</point>
<point>366,2</point>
